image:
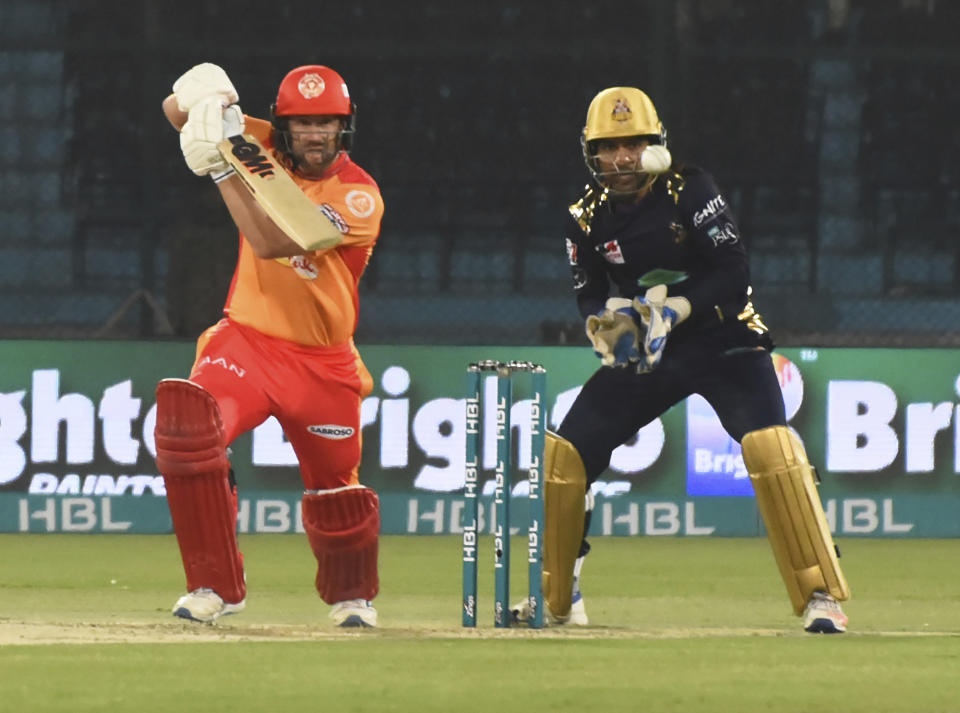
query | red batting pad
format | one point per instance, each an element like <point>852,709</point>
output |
<point>343,528</point>
<point>192,458</point>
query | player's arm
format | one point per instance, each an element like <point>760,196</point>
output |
<point>716,239</point>
<point>263,235</point>
<point>590,282</point>
<point>174,114</point>
<point>265,238</point>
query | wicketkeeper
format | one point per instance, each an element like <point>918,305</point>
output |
<point>661,277</point>
<point>284,348</point>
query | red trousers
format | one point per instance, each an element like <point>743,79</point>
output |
<point>314,392</point>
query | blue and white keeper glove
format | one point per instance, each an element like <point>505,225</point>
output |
<point>658,314</point>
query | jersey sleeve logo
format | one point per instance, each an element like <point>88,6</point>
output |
<point>579,278</point>
<point>361,203</point>
<point>571,251</point>
<point>334,217</point>
<point>727,233</point>
<point>714,207</point>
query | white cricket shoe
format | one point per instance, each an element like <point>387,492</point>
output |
<point>823,615</point>
<point>578,612</point>
<point>205,605</point>
<point>357,613</point>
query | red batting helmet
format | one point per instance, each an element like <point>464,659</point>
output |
<point>309,91</point>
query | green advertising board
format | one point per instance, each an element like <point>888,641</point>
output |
<point>882,426</point>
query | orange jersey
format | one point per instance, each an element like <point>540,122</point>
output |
<point>311,299</point>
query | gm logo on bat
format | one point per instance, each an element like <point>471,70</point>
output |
<point>253,158</point>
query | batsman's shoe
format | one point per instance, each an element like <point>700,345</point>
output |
<point>205,605</point>
<point>354,613</point>
<point>823,615</point>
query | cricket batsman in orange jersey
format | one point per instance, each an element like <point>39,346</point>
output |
<point>284,348</point>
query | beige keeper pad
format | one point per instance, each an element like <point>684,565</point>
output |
<point>565,485</point>
<point>787,498</point>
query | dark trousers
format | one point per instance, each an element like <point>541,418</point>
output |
<point>741,385</point>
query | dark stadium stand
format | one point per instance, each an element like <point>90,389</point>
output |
<point>837,147</point>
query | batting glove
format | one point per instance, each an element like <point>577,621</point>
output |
<point>201,82</point>
<point>208,123</point>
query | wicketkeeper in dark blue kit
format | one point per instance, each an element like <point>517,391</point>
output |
<point>661,277</point>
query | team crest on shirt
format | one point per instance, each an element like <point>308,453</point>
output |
<point>679,232</point>
<point>360,203</point>
<point>311,85</point>
<point>612,253</point>
<point>621,110</point>
<point>304,267</point>
<point>571,251</point>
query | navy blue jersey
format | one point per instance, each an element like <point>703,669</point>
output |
<point>681,234</point>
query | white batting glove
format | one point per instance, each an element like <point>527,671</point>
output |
<point>203,81</point>
<point>208,123</point>
<point>614,333</point>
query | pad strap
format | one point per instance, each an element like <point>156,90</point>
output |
<point>343,528</point>
<point>786,490</point>
<point>191,456</point>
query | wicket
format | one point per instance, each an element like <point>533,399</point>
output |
<point>502,488</point>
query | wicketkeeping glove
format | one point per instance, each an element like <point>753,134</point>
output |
<point>208,123</point>
<point>615,333</point>
<point>201,82</point>
<point>659,314</point>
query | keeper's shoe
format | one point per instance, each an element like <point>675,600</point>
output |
<point>578,612</point>
<point>823,615</point>
<point>354,613</point>
<point>205,605</point>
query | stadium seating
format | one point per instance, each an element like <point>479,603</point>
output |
<point>839,152</point>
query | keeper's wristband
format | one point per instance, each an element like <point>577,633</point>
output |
<point>222,175</point>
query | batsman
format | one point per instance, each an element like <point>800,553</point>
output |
<point>283,348</point>
<point>661,277</point>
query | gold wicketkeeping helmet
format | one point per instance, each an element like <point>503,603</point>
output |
<point>622,111</point>
<point>619,112</point>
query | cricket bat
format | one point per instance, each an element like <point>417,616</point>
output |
<point>278,194</point>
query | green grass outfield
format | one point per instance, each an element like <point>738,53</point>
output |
<point>676,625</point>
